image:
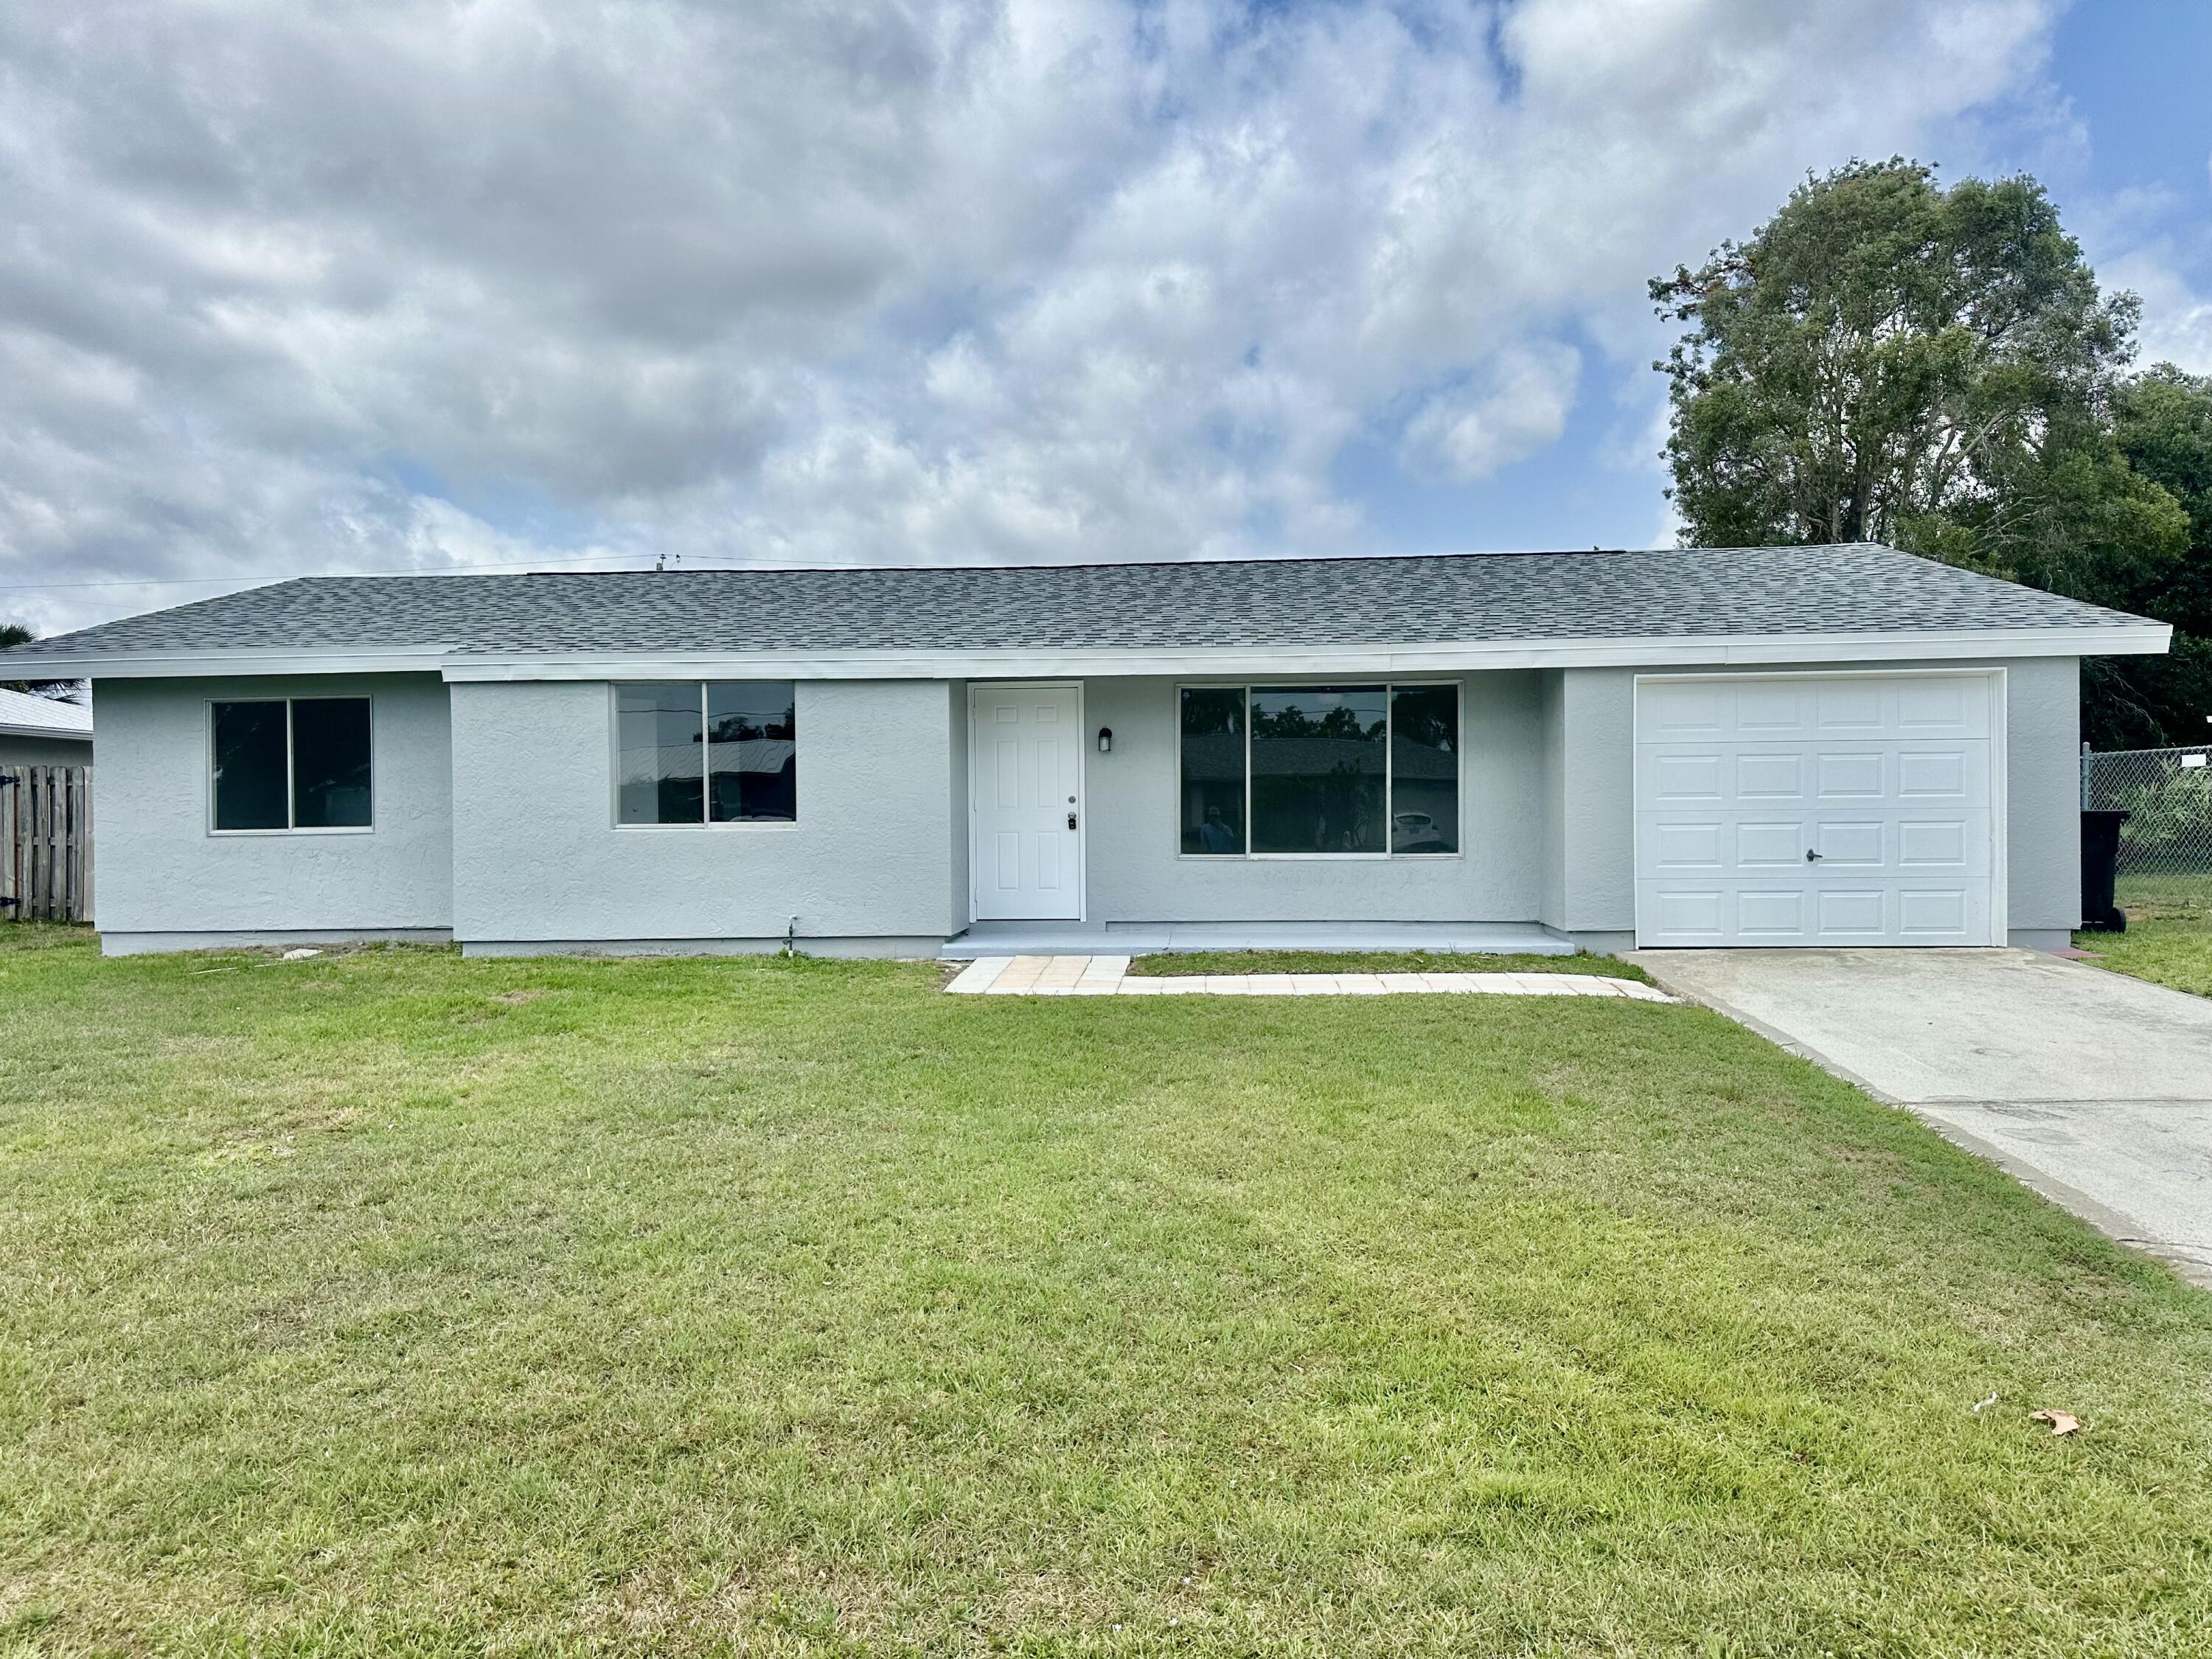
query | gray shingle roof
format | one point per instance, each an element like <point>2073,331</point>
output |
<point>23,714</point>
<point>1404,600</point>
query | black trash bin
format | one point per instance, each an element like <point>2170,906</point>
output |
<point>2101,863</point>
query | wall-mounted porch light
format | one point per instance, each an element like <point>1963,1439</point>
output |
<point>1105,739</point>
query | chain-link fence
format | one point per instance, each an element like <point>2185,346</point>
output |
<point>2166,844</point>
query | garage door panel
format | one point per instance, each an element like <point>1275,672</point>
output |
<point>1690,708</point>
<point>1685,778</point>
<point>1858,911</point>
<point>1887,780</point>
<point>1932,912</point>
<point>1850,775</point>
<point>1923,842</point>
<point>1843,842</point>
<point>1777,845</point>
<point>1932,773</point>
<point>1845,707</point>
<point>1779,711</point>
<point>1687,846</point>
<point>1768,913</point>
<point>1769,777</point>
<point>1691,913</point>
<point>1946,705</point>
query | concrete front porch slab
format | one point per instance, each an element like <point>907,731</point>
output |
<point>1006,938</point>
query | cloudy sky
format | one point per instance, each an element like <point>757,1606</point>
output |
<point>367,285</point>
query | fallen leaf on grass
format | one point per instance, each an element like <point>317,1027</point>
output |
<point>2061,1422</point>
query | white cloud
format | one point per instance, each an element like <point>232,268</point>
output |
<point>2177,321</point>
<point>829,279</point>
<point>1516,407</point>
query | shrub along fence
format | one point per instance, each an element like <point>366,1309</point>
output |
<point>2166,845</point>
<point>45,843</point>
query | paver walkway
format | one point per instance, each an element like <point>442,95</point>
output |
<point>1110,976</point>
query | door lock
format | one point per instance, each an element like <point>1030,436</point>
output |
<point>1070,820</point>
<point>1812,857</point>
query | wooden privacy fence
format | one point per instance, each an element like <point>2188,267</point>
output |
<point>45,843</point>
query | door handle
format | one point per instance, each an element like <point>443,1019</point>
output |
<point>1812,857</point>
<point>1070,820</point>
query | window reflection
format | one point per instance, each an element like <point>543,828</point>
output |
<point>1318,768</point>
<point>660,762</point>
<point>1351,771</point>
<point>249,765</point>
<point>752,752</point>
<point>1212,810</point>
<point>292,764</point>
<point>329,762</point>
<point>1425,769</point>
<point>724,751</point>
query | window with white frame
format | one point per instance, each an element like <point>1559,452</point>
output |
<point>290,763</point>
<point>721,751</point>
<point>1318,770</point>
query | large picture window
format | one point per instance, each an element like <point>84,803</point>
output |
<point>291,764</point>
<point>1317,770</point>
<point>723,751</point>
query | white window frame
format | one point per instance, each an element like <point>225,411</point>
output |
<point>749,826</point>
<point>291,805</point>
<point>1390,688</point>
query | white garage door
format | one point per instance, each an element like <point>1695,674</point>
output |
<point>1816,809</point>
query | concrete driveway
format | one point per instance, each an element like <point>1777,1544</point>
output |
<point>2094,1088</point>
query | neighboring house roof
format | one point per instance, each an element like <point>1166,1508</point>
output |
<point>987,618</point>
<point>1218,755</point>
<point>22,715</point>
<point>670,763</point>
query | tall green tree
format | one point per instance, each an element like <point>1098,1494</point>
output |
<point>1887,360</point>
<point>2163,427</point>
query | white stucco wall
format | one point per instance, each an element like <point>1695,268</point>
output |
<point>493,816</point>
<point>956,738</point>
<point>2042,794</point>
<point>165,878</point>
<point>539,859</point>
<point>1590,774</point>
<point>1136,872</point>
<point>1551,907</point>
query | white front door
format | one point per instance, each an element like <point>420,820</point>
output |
<point>1852,808</point>
<point>1025,749</point>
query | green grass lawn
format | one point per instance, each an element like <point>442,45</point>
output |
<point>2169,937</point>
<point>1377,962</point>
<point>392,1302</point>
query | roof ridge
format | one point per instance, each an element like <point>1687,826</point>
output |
<point>1251,562</point>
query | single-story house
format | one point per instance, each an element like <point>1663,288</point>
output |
<point>1805,745</point>
<point>42,730</point>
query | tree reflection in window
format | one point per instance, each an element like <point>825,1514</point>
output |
<point>1351,771</point>
<point>1319,761</point>
<point>752,752</point>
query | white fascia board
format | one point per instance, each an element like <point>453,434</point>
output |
<point>56,734</point>
<point>1655,652</point>
<point>207,664</point>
